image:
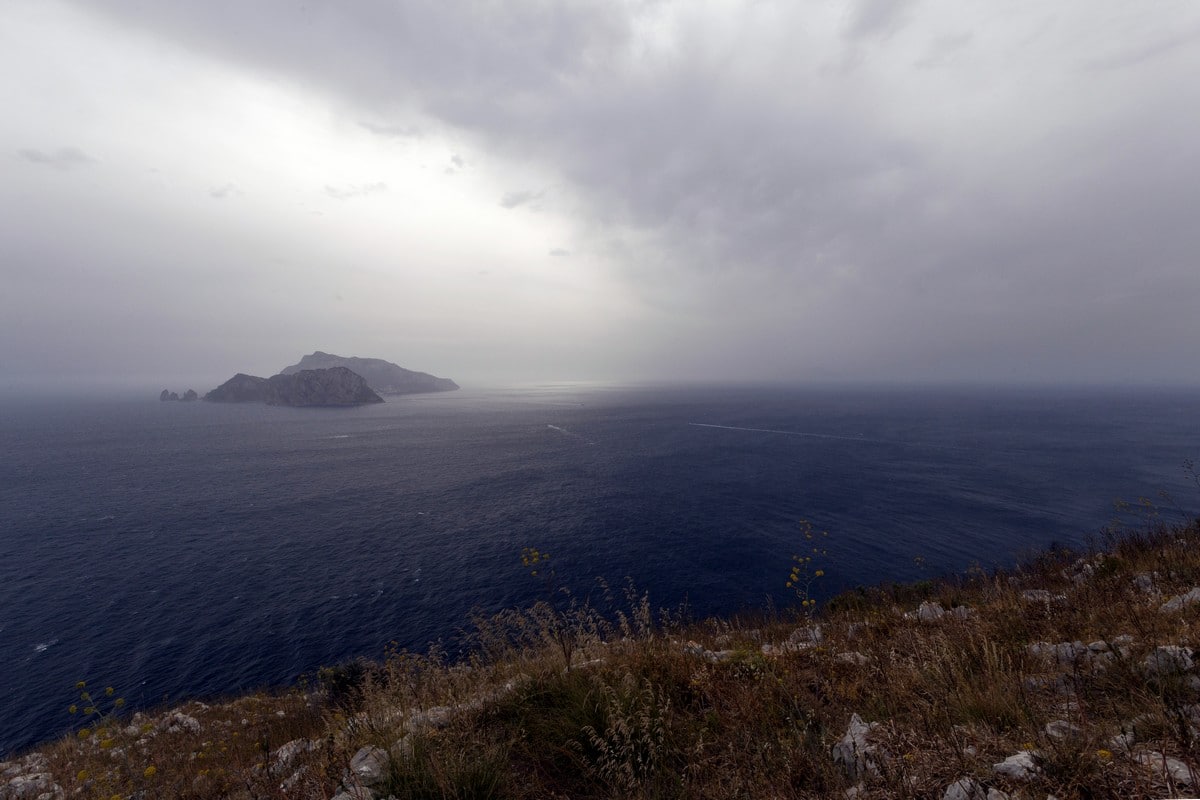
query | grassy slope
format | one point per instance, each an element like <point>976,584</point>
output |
<point>652,708</point>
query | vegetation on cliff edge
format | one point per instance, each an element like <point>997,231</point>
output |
<point>1071,675</point>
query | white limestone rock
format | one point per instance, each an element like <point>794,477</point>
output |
<point>855,753</point>
<point>370,765</point>
<point>286,755</point>
<point>1168,767</point>
<point>357,793</point>
<point>1061,729</point>
<point>29,786</point>
<point>1181,601</point>
<point>1020,766</point>
<point>1168,660</point>
<point>432,717</point>
<point>930,612</point>
<point>1123,742</point>
<point>812,633</point>
<point>1144,581</point>
<point>1064,653</point>
<point>402,748</point>
<point>712,657</point>
<point>965,789</point>
<point>178,722</point>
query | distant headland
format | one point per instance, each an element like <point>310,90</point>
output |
<point>336,386</point>
<point>323,379</point>
<point>382,376</point>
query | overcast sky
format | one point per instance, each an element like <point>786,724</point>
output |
<point>600,190</point>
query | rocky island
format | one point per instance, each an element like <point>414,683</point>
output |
<point>335,386</point>
<point>324,379</point>
<point>188,396</point>
<point>382,376</point>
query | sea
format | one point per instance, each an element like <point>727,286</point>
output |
<point>195,550</point>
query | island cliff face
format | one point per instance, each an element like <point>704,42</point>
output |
<point>336,386</point>
<point>382,376</point>
<point>241,388</point>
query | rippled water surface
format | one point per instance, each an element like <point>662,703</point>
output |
<point>183,549</point>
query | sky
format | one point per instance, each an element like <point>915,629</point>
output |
<point>514,191</point>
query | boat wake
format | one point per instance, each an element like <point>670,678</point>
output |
<point>566,432</point>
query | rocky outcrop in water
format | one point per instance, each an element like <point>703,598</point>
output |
<point>188,396</point>
<point>382,376</point>
<point>241,388</point>
<point>336,386</point>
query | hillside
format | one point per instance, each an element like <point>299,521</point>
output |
<point>1073,675</point>
<point>335,386</point>
<point>382,376</point>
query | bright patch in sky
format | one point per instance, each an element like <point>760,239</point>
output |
<point>741,191</point>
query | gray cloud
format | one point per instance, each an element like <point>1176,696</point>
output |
<point>526,197</point>
<point>63,158</point>
<point>349,191</point>
<point>942,50</point>
<point>869,18</point>
<point>224,191</point>
<point>1025,213</point>
<point>1145,51</point>
<point>393,131</point>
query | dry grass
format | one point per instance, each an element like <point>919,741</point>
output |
<point>562,701</point>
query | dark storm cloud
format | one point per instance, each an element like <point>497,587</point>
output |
<point>906,192</point>
<point>63,158</point>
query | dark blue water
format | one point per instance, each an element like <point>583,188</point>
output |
<point>175,550</point>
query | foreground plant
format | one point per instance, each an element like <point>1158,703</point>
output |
<point>1072,675</point>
